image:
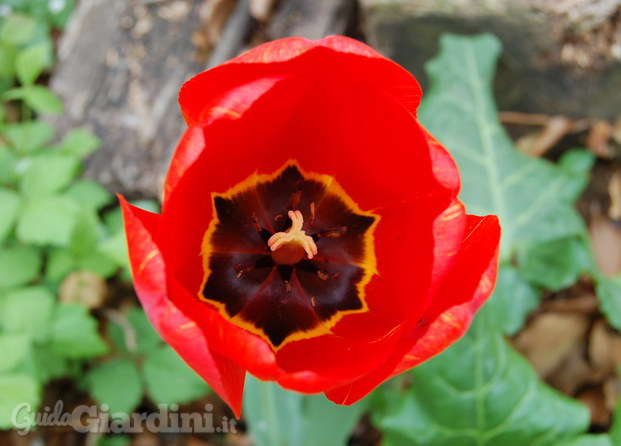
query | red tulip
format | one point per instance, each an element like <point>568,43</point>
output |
<point>310,232</point>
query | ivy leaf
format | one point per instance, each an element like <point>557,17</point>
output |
<point>513,299</point>
<point>532,197</point>
<point>590,440</point>
<point>117,384</point>
<point>555,264</point>
<point>170,380</point>
<point>481,392</point>
<point>609,295</point>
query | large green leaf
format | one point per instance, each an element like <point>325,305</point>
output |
<point>277,417</point>
<point>513,299</point>
<point>532,197</point>
<point>481,392</point>
<point>609,295</point>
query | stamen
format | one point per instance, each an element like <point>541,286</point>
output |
<point>294,237</point>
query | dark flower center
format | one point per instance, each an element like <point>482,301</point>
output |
<point>287,255</point>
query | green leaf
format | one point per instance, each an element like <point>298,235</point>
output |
<point>89,193</point>
<point>86,232</point>
<point>481,392</point>
<point>98,263</point>
<point>18,391</point>
<point>117,384</point>
<point>8,162</point>
<point>554,264</point>
<point>17,29</point>
<point>48,174</point>
<point>8,54</point>
<point>114,440</point>
<point>47,221</point>
<point>31,62</point>
<point>28,311</point>
<point>609,295</point>
<point>328,423</point>
<point>14,94</point>
<point>615,430</point>
<point>512,301</point>
<point>44,364</point>
<point>136,335</point>
<point>9,203</point>
<point>277,417</point>
<point>42,100</point>
<point>79,142</point>
<point>532,197</point>
<point>28,136</point>
<point>14,348</point>
<point>18,265</point>
<point>60,262</point>
<point>274,415</point>
<point>115,247</point>
<point>74,333</point>
<point>590,440</point>
<point>170,380</point>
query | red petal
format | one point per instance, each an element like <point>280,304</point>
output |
<point>325,140</point>
<point>224,376</point>
<point>346,58</point>
<point>467,287</point>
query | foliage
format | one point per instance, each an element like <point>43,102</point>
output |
<point>142,364</point>
<point>54,227</point>
<point>480,391</point>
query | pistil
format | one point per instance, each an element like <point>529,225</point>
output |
<point>289,247</point>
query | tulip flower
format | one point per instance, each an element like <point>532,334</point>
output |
<point>310,231</point>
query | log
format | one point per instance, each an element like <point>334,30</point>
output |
<point>120,66</point>
<point>314,19</point>
<point>560,57</point>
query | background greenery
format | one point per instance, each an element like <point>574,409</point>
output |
<point>62,255</point>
